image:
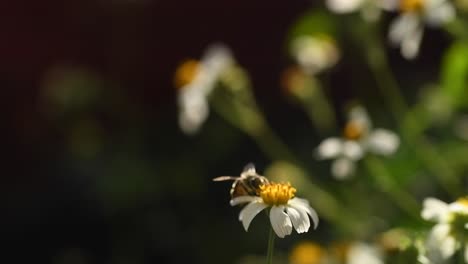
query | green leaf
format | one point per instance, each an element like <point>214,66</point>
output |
<point>312,23</point>
<point>454,74</point>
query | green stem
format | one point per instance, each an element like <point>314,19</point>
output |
<point>271,246</point>
<point>318,108</point>
<point>248,118</point>
<point>389,88</point>
<point>388,185</point>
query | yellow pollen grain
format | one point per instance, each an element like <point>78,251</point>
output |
<point>277,193</point>
<point>411,5</point>
<point>186,72</point>
<point>353,130</point>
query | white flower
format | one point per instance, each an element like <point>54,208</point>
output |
<point>360,253</point>
<point>407,30</point>
<point>450,232</point>
<point>358,138</point>
<point>196,80</point>
<point>315,53</point>
<point>286,210</point>
<point>370,9</point>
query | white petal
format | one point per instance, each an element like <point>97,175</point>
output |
<point>280,221</point>
<point>388,5</point>
<point>249,212</point>
<point>299,219</point>
<point>342,168</point>
<point>193,110</point>
<point>401,27</point>
<point>458,208</point>
<point>383,141</point>
<point>411,43</point>
<point>361,253</point>
<point>303,205</point>
<point>440,13</point>
<point>243,199</point>
<point>344,6</point>
<point>434,210</point>
<point>352,150</point>
<point>330,148</point>
<point>440,245</point>
<point>359,115</point>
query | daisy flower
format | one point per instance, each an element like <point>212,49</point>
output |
<point>196,80</point>
<point>369,9</point>
<point>286,211</point>
<point>449,234</point>
<point>315,53</point>
<point>358,138</point>
<point>407,29</point>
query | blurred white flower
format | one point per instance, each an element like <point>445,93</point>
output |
<point>407,29</point>
<point>196,80</point>
<point>370,9</point>
<point>315,53</point>
<point>358,138</point>
<point>286,210</point>
<point>450,232</point>
<point>360,253</point>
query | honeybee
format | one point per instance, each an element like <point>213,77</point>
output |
<point>247,183</point>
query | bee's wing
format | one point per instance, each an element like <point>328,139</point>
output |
<point>225,178</point>
<point>249,169</point>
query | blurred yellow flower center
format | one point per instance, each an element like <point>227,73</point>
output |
<point>307,253</point>
<point>412,5</point>
<point>293,79</point>
<point>463,201</point>
<point>277,193</point>
<point>353,130</point>
<point>186,73</point>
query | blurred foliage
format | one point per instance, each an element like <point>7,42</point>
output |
<point>112,181</point>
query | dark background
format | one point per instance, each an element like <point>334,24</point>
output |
<point>145,195</point>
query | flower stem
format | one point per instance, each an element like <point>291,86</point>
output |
<point>387,184</point>
<point>319,109</point>
<point>271,246</point>
<point>420,145</point>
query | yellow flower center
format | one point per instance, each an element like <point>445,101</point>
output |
<point>463,201</point>
<point>459,219</point>
<point>293,79</point>
<point>353,130</point>
<point>307,253</point>
<point>186,73</point>
<point>277,193</point>
<point>412,5</point>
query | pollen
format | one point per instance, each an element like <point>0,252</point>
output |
<point>277,193</point>
<point>353,130</point>
<point>186,73</point>
<point>412,5</point>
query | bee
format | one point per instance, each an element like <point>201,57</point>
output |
<point>248,183</point>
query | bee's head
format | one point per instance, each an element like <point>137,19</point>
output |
<point>257,181</point>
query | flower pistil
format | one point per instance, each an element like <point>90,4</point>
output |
<point>411,5</point>
<point>277,193</point>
